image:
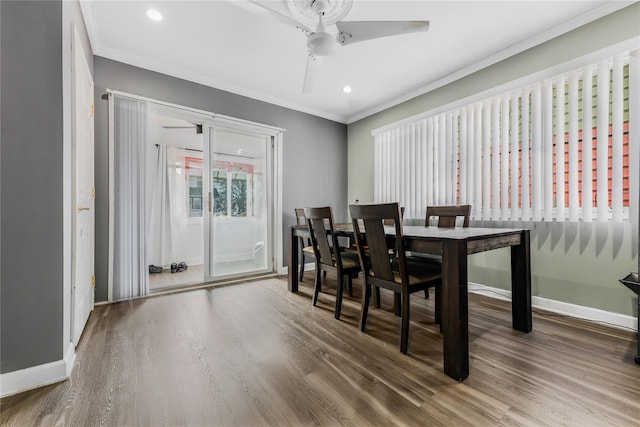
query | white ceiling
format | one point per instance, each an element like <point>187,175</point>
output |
<point>241,48</point>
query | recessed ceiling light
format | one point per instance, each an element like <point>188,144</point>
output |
<point>154,15</point>
<point>346,89</point>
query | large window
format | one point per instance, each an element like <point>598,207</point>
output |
<point>232,195</point>
<point>521,155</point>
<point>193,167</point>
<point>220,192</point>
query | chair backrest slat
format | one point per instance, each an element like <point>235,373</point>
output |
<point>323,237</point>
<point>447,215</point>
<point>301,219</point>
<point>375,258</point>
<point>378,250</point>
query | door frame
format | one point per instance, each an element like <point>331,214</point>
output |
<point>274,137</point>
<point>78,60</point>
<point>208,119</point>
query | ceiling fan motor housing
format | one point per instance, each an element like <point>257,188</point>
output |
<point>321,43</point>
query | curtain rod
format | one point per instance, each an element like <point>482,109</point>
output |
<point>184,148</point>
<point>206,114</point>
<point>215,152</point>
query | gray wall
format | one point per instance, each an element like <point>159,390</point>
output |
<point>578,263</point>
<point>315,149</point>
<point>31,173</point>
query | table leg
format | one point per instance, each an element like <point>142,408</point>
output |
<point>521,284</point>
<point>293,262</point>
<point>455,309</point>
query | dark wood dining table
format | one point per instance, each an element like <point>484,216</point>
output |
<point>454,245</point>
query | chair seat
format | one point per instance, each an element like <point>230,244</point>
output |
<point>309,251</point>
<point>350,260</point>
<point>419,272</point>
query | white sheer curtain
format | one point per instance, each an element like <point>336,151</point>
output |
<point>129,272</point>
<point>168,216</point>
<point>160,238</point>
<point>177,196</point>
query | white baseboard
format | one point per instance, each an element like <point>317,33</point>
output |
<point>564,308</point>
<point>38,376</point>
<point>559,307</point>
<point>70,359</point>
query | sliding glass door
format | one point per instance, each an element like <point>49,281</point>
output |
<point>239,203</point>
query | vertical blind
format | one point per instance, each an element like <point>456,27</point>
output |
<point>555,150</point>
<point>129,249</point>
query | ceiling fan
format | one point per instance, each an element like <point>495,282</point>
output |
<point>321,43</point>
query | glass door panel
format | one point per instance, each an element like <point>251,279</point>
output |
<point>240,232</point>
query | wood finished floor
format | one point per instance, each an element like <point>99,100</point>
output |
<point>256,355</point>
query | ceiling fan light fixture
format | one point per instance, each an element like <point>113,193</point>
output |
<point>321,43</point>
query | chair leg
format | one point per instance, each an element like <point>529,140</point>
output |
<point>301,266</point>
<point>397,304</point>
<point>426,293</point>
<point>404,332</point>
<point>376,297</point>
<point>438,308</point>
<point>317,286</point>
<point>364,308</point>
<point>320,276</point>
<point>339,291</point>
<point>350,284</point>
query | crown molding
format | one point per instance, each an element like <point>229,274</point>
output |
<point>181,73</point>
<point>570,25</point>
<point>86,8</point>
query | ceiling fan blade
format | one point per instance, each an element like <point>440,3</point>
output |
<point>356,31</point>
<point>311,73</point>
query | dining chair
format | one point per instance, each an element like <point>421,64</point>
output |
<point>388,222</point>
<point>396,273</point>
<point>329,257</point>
<point>305,243</point>
<point>445,217</point>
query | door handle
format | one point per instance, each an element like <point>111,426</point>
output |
<point>209,201</point>
<point>83,208</point>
